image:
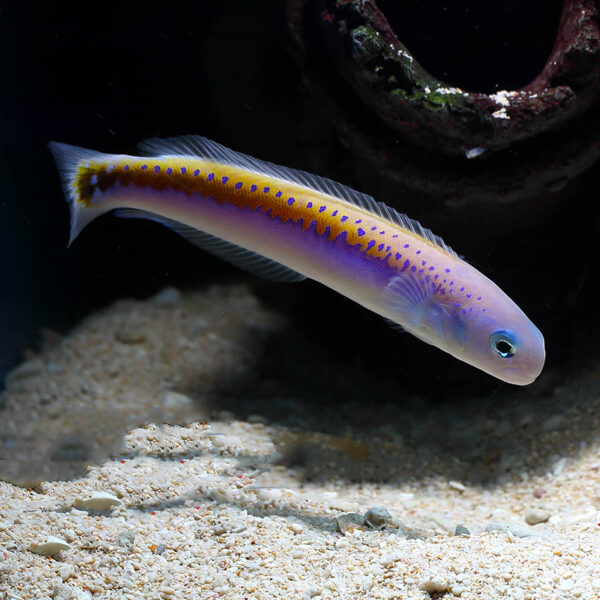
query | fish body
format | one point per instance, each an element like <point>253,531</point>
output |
<point>289,225</point>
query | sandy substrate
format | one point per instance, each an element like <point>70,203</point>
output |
<point>254,491</point>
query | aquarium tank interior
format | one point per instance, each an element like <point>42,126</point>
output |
<point>418,417</point>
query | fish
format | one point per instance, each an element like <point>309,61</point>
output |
<point>289,225</point>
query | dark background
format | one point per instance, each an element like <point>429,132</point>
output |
<point>108,78</point>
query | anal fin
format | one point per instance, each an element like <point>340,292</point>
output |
<point>243,258</point>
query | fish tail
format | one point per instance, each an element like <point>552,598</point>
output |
<point>76,166</point>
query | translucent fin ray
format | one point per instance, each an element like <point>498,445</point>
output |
<point>236,255</point>
<point>421,311</point>
<point>199,147</point>
<point>68,161</point>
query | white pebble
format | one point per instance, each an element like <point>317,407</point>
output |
<point>62,592</point>
<point>53,545</point>
<point>457,485</point>
<point>536,515</point>
<point>176,400</point>
<point>27,369</point>
<point>169,296</point>
<point>442,522</point>
<point>389,559</point>
<point>559,465</point>
<point>219,581</point>
<point>66,572</point>
<point>474,152</point>
<point>435,584</point>
<point>98,501</point>
<point>296,528</point>
<point>566,585</point>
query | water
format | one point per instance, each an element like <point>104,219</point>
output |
<point>225,71</point>
<point>240,419</point>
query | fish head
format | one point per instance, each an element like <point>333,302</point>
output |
<point>503,342</point>
<point>486,329</point>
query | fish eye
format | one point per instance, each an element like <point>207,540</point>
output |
<point>503,344</point>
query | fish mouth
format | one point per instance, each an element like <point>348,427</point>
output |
<point>519,378</point>
<point>525,374</point>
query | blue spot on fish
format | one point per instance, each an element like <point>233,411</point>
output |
<point>183,171</point>
<point>344,218</point>
<point>309,205</point>
<point>322,208</point>
<point>224,179</point>
<point>266,190</point>
<point>196,172</point>
<point>360,231</point>
<point>253,188</point>
<point>335,212</point>
<point>291,201</point>
<point>238,185</point>
<point>370,244</point>
<point>406,245</point>
<point>125,167</point>
<point>279,194</point>
<point>210,177</point>
<point>398,256</point>
<point>144,167</point>
<point>381,247</point>
<point>169,170</point>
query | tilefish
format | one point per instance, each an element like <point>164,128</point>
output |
<point>288,225</point>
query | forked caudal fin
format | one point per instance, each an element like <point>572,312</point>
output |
<point>72,162</point>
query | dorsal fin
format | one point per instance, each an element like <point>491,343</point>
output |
<point>196,146</point>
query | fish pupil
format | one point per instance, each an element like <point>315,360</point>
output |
<point>504,348</point>
<point>502,342</point>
